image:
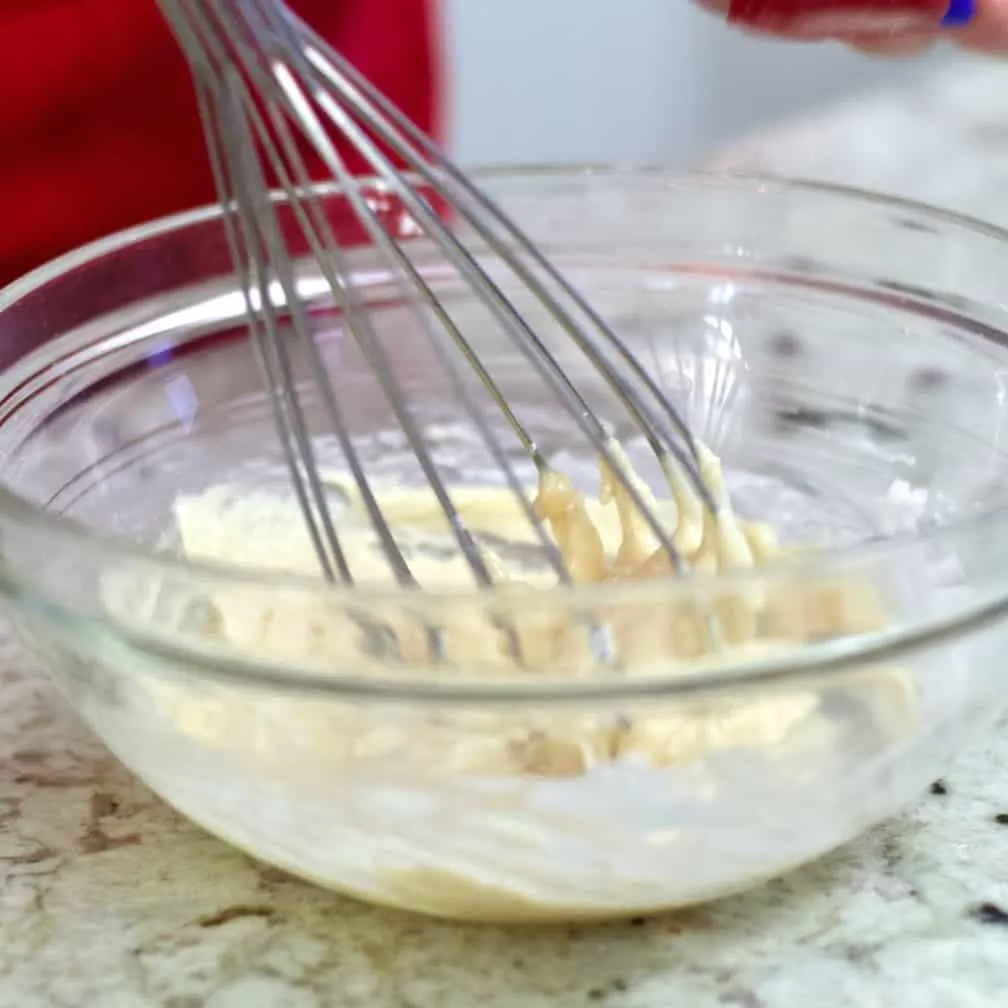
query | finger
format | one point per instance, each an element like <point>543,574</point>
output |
<point>988,31</point>
<point>899,44</point>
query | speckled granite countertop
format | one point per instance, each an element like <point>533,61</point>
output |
<point>108,899</point>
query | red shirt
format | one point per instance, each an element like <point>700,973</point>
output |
<point>98,122</point>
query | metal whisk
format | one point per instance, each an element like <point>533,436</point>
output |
<point>267,87</point>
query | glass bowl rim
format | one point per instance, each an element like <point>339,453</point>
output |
<point>827,657</point>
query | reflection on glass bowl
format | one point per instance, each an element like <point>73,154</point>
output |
<point>849,371</point>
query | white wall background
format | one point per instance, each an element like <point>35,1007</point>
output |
<point>625,80</point>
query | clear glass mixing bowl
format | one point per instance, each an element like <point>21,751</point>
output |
<point>845,354</point>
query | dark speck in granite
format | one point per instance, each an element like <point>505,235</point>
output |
<point>97,841</point>
<point>103,805</point>
<point>939,787</point>
<point>226,916</point>
<point>991,913</point>
<point>616,986</point>
<point>1001,818</point>
<point>891,850</point>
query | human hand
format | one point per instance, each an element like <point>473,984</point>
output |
<point>986,31</point>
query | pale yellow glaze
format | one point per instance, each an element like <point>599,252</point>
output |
<point>602,539</point>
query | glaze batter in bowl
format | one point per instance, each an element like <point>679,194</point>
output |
<point>842,354</point>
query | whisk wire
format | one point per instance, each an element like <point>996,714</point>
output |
<point>273,355</point>
<point>266,85</point>
<point>288,415</point>
<point>527,341</point>
<point>413,147</point>
<point>359,323</point>
<point>271,349</point>
<point>418,294</point>
<point>523,336</point>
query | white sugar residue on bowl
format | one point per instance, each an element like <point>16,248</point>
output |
<point>422,829</point>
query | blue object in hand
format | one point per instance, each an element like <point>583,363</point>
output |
<point>960,12</point>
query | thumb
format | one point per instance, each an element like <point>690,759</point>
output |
<point>988,31</point>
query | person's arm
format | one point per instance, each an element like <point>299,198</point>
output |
<point>99,127</point>
<point>987,31</point>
